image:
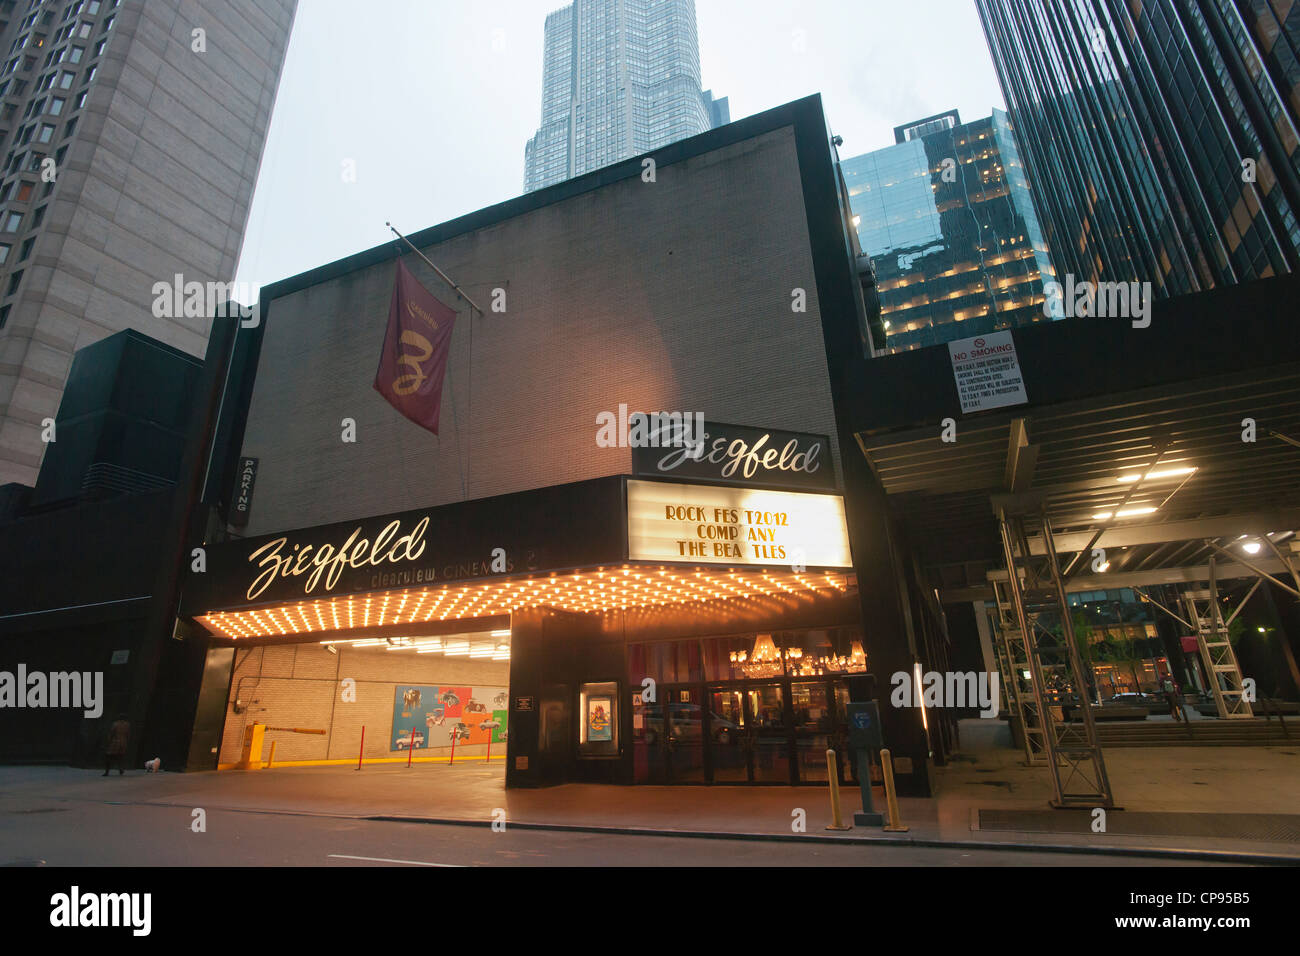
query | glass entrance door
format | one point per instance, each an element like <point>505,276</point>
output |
<point>729,743</point>
<point>769,730</point>
<point>813,726</point>
<point>674,736</point>
<point>686,729</point>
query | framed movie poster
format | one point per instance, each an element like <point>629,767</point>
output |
<point>599,722</point>
<point>598,731</point>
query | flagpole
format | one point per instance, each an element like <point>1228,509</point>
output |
<point>442,275</point>
<point>473,306</point>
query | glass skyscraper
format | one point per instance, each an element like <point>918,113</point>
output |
<point>619,79</point>
<point>947,217</point>
<point>1161,137</point>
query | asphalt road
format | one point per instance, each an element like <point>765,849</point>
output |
<point>77,834</point>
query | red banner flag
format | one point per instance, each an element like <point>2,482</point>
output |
<point>414,361</point>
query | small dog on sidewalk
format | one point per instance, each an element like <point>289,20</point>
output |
<point>154,765</point>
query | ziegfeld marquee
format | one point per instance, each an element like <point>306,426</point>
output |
<point>735,526</point>
<point>596,545</point>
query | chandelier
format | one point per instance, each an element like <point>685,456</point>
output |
<point>766,660</point>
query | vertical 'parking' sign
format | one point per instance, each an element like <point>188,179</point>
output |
<point>244,482</point>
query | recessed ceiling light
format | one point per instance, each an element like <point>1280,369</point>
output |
<point>1125,512</point>
<point>1163,473</point>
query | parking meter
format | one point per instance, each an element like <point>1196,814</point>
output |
<point>865,739</point>
<point>864,726</point>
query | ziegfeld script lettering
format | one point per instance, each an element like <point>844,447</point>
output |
<point>738,455</point>
<point>326,561</point>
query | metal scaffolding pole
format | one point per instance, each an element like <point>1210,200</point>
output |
<point>1037,591</point>
<point>1217,655</point>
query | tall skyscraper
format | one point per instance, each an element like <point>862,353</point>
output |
<point>947,217</point>
<point>1161,137</point>
<point>619,78</point>
<point>131,133</point>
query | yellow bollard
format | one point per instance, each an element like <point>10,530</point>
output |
<point>887,768</point>
<point>251,756</point>
<point>833,775</point>
<point>271,759</point>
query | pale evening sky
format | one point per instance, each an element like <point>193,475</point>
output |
<point>433,101</point>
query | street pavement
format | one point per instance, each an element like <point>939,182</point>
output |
<point>57,813</point>
<point>89,834</point>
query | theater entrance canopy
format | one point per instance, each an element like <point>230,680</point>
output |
<point>640,547</point>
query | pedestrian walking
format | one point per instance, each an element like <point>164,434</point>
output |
<point>118,734</point>
<point>1172,698</point>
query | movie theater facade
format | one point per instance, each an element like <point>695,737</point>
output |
<point>538,584</point>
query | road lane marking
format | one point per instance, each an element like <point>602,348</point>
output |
<point>380,859</point>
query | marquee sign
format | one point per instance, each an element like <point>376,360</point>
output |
<point>742,455</point>
<point>709,524</point>
<point>566,526</point>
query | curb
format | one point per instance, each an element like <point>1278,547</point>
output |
<point>1219,856</point>
<point>1169,853</point>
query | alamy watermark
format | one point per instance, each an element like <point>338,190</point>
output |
<point>60,689</point>
<point>76,909</point>
<point>197,300</point>
<point>650,429</point>
<point>1123,300</point>
<point>975,689</point>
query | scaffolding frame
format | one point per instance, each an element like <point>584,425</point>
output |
<point>1036,587</point>
<point>1017,680</point>
<point>1217,656</point>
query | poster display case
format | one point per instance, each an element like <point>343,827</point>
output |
<point>598,728</point>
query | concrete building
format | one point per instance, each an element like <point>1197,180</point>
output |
<point>947,217</point>
<point>618,79</point>
<point>132,134</point>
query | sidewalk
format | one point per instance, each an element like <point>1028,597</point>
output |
<point>1174,800</point>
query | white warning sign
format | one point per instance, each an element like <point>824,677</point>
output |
<point>987,372</point>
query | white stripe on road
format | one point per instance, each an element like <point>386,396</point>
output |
<point>380,859</point>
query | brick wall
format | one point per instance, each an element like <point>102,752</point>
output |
<point>298,685</point>
<point>666,296</point>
